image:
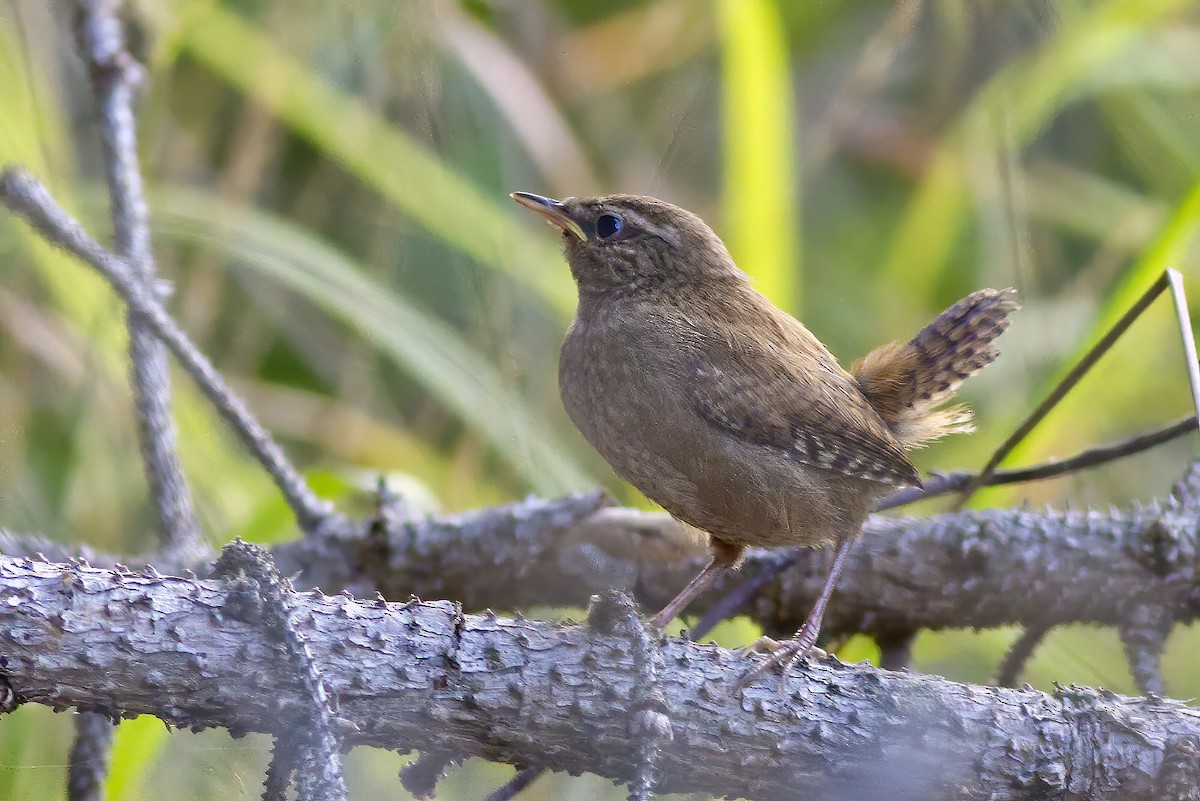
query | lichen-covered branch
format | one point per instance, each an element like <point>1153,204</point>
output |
<point>423,675</point>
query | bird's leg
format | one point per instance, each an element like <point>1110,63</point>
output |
<point>724,555</point>
<point>787,652</point>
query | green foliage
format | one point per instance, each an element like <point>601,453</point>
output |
<point>758,124</point>
<point>329,184</point>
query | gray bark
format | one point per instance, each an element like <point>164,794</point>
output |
<point>970,569</point>
<point>423,675</point>
<point>964,570</point>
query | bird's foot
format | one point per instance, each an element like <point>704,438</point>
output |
<point>769,645</point>
<point>786,653</point>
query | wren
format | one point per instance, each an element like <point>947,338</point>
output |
<point>727,411</point>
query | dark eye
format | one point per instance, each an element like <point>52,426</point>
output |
<point>608,226</point>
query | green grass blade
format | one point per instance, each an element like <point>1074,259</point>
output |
<point>381,156</point>
<point>761,195</point>
<point>423,346</point>
<point>1169,248</point>
<point>137,745</point>
<point>1026,94</point>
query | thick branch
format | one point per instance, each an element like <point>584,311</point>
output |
<point>970,569</point>
<point>425,676</point>
<point>964,570</point>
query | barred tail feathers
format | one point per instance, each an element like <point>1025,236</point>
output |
<point>907,382</point>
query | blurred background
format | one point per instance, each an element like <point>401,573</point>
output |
<point>329,181</point>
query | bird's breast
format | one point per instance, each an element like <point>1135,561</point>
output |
<point>626,389</point>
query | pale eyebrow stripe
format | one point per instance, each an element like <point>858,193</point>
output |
<point>638,220</point>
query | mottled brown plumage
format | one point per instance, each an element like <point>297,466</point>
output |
<point>727,411</point>
<point>906,383</point>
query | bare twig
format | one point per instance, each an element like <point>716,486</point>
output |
<point>959,480</point>
<point>29,199</point>
<point>1144,636</point>
<point>1018,654</point>
<point>88,761</point>
<point>258,592</point>
<point>522,779</point>
<point>115,76</point>
<point>1169,280</point>
<point>1187,338</point>
<point>280,770</point>
<point>648,725</point>
<point>733,602</point>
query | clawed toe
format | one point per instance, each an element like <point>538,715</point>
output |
<point>763,645</point>
<point>786,653</point>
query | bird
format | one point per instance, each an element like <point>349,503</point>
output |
<point>727,411</point>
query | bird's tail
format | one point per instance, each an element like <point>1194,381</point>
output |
<point>907,382</point>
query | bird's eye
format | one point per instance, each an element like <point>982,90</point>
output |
<point>608,226</point>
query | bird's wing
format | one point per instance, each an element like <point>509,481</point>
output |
<point>786,392</point>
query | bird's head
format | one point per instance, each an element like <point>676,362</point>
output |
<point>623,244</point>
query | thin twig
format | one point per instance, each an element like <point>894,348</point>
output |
<point>115,76</point>
<point>957,481</point>
<point>1144,636</point>
<point>733,602</point>
<point>88,762</point>
<point>257,589</point>
<point>1065,386</point>
<point>614,612</point>
<point>508,790</point>
<point>1013,664</point>
<point>1188,339</point>
<point>26,197</point>
<point>280,769</point>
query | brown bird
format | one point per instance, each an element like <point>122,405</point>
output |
<point>727,411</point>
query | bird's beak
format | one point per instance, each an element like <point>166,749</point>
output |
<point>550,210</point>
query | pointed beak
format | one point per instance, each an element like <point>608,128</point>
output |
<point>550,210</point>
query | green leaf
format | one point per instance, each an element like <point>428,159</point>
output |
<point>380,155</point>
<point>761,198</point>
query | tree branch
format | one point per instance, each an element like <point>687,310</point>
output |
<point>22,194</point>
<point>517,691</point>
<point>87,766</point>
<point>115,77</point>
<point>257,594</point>
<point>962,570</point>
<point>969,569</point>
